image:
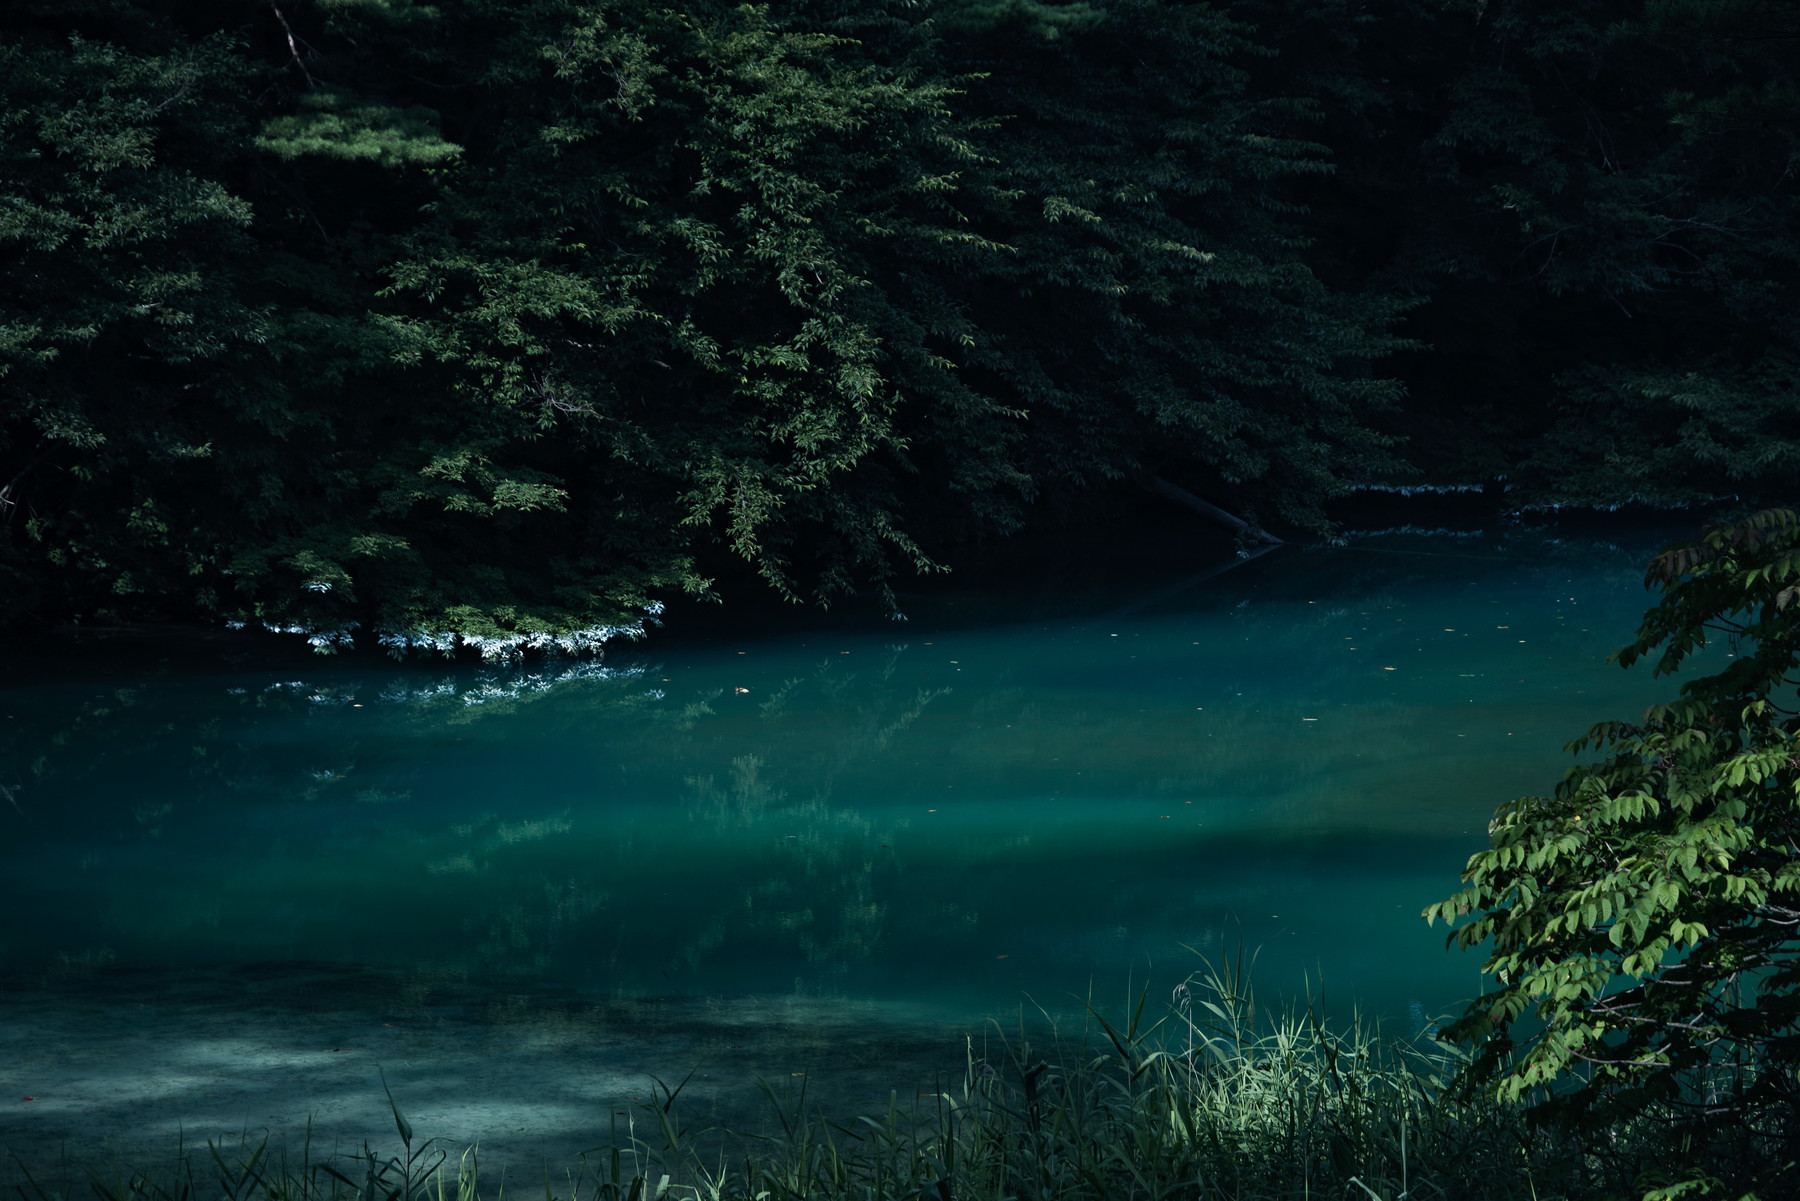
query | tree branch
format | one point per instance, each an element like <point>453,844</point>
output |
<point>1211,512</point>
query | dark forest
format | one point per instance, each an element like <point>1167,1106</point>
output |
<point>507,319</point>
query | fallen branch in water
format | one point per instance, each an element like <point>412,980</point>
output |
<point>1212,512</point>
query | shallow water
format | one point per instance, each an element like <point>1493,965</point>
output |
<point>229,894</point>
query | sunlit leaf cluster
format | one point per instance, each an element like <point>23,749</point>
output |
<point>1640,924</point>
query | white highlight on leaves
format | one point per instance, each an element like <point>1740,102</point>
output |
<point>494,648</point>
<point>1418,489</point>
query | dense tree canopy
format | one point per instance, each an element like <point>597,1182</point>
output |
<point>1596,197</point>
<point>507,319</point>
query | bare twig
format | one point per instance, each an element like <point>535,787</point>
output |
<point>293,45</point>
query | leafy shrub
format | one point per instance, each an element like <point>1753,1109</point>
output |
<point>1643,918</point>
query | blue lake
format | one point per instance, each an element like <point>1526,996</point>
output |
<point>230,893</point>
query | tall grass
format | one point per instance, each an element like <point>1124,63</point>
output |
<point>1215,1098</point>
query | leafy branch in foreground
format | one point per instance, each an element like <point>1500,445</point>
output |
<point>1643,919</point>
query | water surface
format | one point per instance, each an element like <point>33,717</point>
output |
<point>829,850</point>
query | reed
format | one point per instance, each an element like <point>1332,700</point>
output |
<point>1215,1099</point>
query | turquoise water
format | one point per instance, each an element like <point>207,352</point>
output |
<point>842,845</point>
